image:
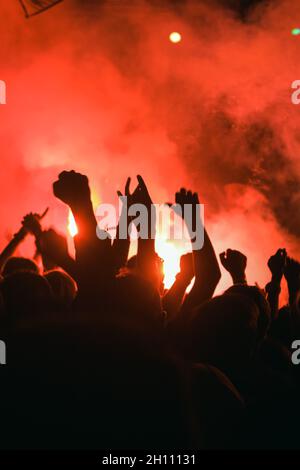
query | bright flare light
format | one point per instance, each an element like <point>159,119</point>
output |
<point>296,31</point>
<point>171,256</point>
<point>175,37</point>
<point>72,227</point>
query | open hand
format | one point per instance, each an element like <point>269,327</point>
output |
<point>187,206</point>
<point>139,196</point>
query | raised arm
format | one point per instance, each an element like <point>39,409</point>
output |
<point>235,263</point>
<point>94,264</point>
<point>292,275</point>
<point>121,243</point>
<point>18,238</point>
<point>206,267</point>
<point>12,246</point>
<point>276,265</point>
<point>73,189</point>
<point>146,255</point>
<point>174,297</point>
<point>141,212</point>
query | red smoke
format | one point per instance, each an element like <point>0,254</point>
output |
<point>104,91</point>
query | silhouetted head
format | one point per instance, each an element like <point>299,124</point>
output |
<point>139,302</point>
<point>132,267</point>
<point>15,264</point>
<point>26,294</point>
<point>223,331</point>
<point>63,287</point>
<point>258,296</point>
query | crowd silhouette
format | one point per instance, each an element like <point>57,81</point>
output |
<point>101,356</point>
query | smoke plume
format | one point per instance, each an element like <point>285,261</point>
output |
<point>97,86</point>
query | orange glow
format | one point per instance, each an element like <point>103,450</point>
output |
<point>171,256</point>
<point>95,199</point>
<point>72,227</point>
<point>175,37</point>
<point>111,116</point>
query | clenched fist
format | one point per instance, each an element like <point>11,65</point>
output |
<point>72,188</point>
<point>235,263</point>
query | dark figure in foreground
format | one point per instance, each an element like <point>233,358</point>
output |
<point>102,356</point>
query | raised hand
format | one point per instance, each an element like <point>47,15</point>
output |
<point>185,199</point>
<point>292,276</point>
<point>129,198</point>
<point>206,269</point>
<point>142,195</point>
<point>187,267</point>
<point>127,193</point>
<point>53,245</point>
<point>277,263</point>
<point>54,250</point>
<point>235,263</point>
<point>121,243</point>
<point>146,256</point>
<point>31,222</point>
<point>173,298</point>
<point>72,188</point>
<point>139,196</point>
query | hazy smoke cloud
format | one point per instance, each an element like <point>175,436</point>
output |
<point>98,87</point>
